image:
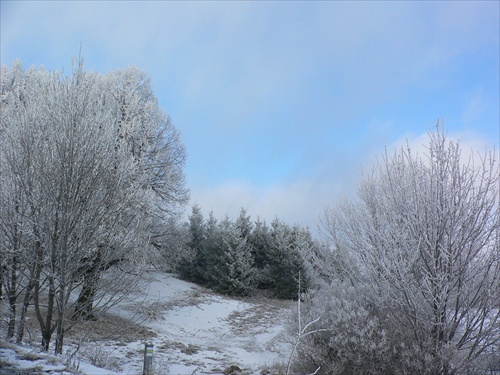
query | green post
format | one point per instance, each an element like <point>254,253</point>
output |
<point>148,359</point>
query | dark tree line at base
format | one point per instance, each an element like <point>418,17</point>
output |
<point>237,258</point>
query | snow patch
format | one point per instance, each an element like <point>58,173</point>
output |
<point>193,330</point>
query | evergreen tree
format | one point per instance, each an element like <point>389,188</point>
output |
<point>301,243</point>
<point>233,271</point>
<point>286,261</point>
<point>211,251</point>
<point>192,267</point>
<point>260,241</point>
<point>243,224</point>
<point>237,257</point>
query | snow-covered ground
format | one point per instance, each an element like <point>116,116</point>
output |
<point>193,330</point>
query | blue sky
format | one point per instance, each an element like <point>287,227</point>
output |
<point>280,104</point>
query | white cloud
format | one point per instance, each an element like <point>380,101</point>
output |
<point>300,202</point>
<point>473,146</point>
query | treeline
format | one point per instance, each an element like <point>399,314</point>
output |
<point>241,256</point>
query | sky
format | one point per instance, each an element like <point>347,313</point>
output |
<point>280,105</point>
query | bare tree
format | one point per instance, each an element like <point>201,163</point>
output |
<point>89,179</point>
<point>17,265</point>
<point>147,137</point>
<point>302,332</point>
<point>421,245</point>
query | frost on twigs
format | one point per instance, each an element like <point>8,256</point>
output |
<point>91,171</point>
<point>410,280</point>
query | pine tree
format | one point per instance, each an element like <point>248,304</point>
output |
<point>286,261</point>
<point>260,241</point>
<point>234,269</point>
<point>211,251</point>
<point>192,267</point>
<point>243,224</point>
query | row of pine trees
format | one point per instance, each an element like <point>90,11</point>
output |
<point>240,257</point>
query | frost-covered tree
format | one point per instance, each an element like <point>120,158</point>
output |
<point>192,265</point>
<point>243,224</point>
<point>232,268</point>
<point>146,136</point>
<point>174,249</point>
<point>260,240</point>
<point>286,261</point>
<point>93,182</point>
<point>419,250</point>
<point>238,257</point>
<point>344,336</point>
<point>14,211</point>
<point>221,257</point>
<point>211,251</point>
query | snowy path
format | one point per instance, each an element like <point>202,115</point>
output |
<point>200,331</point>
<point>193,330</point>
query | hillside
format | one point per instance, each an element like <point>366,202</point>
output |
<point>193,330</point>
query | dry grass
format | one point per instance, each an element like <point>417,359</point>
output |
<point>30,356</point>
<point>257,318</point>
<point>100,356</point>
<point>110,327</point>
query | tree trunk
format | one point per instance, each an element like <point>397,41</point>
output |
<point>2,271</point>
<point>84,306</point>
<point>28,297</point>
<point>36,288</point>
<point>24,309</point>
<point>45,341</point>
<point>12,316</point>
<point>60,322</point>
<point>11,293</point>
<point>47,329</point>
<point>59,341</point>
